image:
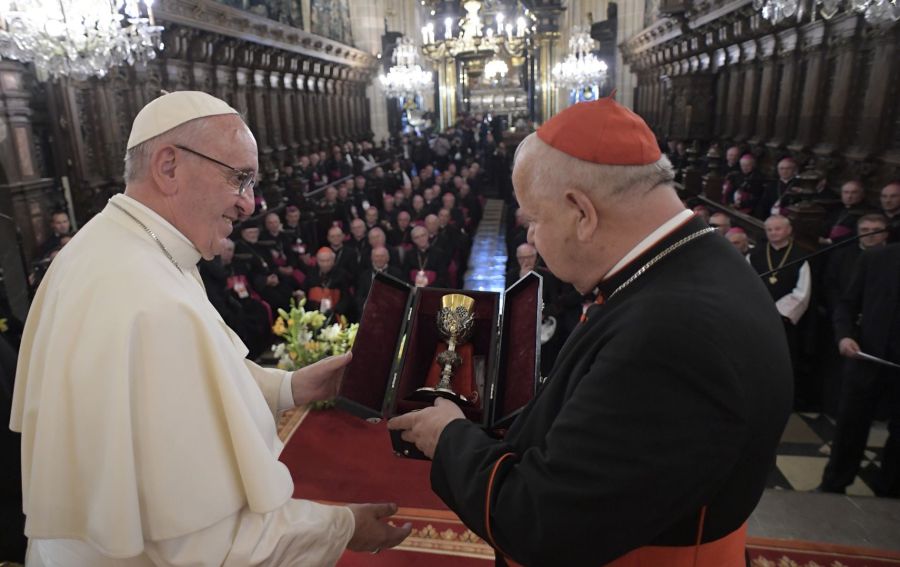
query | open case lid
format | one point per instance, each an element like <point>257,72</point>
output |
<point>518,370</point>
<point>365,379</point>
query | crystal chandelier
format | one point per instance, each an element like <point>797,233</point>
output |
<point>876,12</point>
<point>477,37</point>
<point>78,38</point>
<point>406,77</point>
<point>496,69</point>
<point>581,68</point>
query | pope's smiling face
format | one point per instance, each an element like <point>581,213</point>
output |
<point>209,203</point>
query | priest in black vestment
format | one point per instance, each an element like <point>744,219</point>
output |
<point>868,320</point>
<point>651,440</point>
<point>791,289</point>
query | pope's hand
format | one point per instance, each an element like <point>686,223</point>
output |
<point>424,428</point>
<point>319,381</point>
<point>370,533</point>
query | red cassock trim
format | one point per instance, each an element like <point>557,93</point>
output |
<point>487,501</point>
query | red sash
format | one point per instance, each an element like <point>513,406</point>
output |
<point>724,552</point>
<point>317,294</point>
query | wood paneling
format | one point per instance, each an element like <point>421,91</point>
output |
<point>823,90</point>
<point>298,92</point>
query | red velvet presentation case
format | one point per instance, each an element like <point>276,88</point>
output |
<point>398,337</point>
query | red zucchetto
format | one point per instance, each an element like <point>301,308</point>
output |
<point>601,131</point>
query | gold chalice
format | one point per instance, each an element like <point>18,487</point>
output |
<point>455,320</point>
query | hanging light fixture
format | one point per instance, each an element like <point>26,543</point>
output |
<point>78,38</point>
<point>406,77</point>
<point>474,35</point>
<point>581,68</point>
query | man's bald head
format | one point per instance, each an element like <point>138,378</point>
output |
<point>419,236</point>
<point>739,240</point>
<point>325,259</point>
<point>778,230</point>
<point>335,236</point>
<point>890,198</point>
<point>358,228</point>
<point>526,256</point>
<point>432,224</point>
<point>721,222</point>
<point>376,237</point>
<point>380,257</point>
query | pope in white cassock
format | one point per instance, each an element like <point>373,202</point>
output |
<point>147,437</point>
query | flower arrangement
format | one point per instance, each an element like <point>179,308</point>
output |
<point>307,339</point>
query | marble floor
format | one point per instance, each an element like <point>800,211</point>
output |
<point>789,508</point>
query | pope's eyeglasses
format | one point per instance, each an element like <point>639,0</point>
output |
<point>246,180</point>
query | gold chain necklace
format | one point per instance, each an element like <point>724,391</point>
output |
<point>152,235</point>
<point>773,279</point>
<point>659,257</point>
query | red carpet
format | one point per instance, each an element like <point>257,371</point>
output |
<point>336,457</point>
<point>783,553</point>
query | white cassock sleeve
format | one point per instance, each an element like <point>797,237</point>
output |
<point>794,304</point>
<point>299,533</point>
<point>275,386</point>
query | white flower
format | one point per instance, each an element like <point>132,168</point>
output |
<point>331,333</point>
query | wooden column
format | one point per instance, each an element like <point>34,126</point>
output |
<point>301,120</point>
<point>788,86</point>
<point>330,118</point>
<point>883,60</point>
<point>749,82</point>
<point>275,119</point>
<point>224,83</point>
<point>811,100</point>
<point>719,62</point>
<point>842,46</point>
<point>288,102</point>
<point>313,113</point>
<point>768,90</point>
<point>257,99</point>
<point>24,194</point>
<point>733,103</point>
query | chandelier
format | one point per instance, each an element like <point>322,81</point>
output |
<point>406,77</point>
<point>477,36</point>
<point>496,69</point>
<point>875,12</point>
<point>78,38</point>
<point>581,68</point>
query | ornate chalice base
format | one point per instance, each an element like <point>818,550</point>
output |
<point>427,394</point>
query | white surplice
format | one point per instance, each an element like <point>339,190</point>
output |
<point>147,437</point>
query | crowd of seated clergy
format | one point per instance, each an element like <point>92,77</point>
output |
<point>326,222</point>
<point>342,219</point>
<point>807,294</point>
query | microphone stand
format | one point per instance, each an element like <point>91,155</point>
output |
<point>829,248</point>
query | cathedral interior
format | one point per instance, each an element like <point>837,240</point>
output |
<point>765,108</point>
